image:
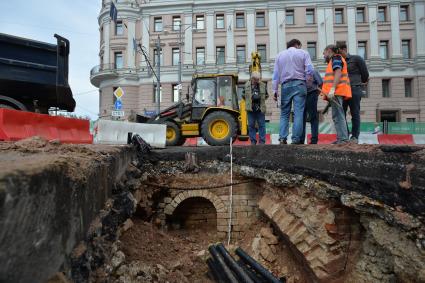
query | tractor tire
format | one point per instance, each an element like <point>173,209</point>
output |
<point>173,134</point>
<point>219,128</point>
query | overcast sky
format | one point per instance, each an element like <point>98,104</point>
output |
<point>75,20</point>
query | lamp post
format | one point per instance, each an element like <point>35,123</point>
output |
<point>158,73</point>
<point>180,63</point>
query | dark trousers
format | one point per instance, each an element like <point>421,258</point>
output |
<point>310,113</point>
<point>259,118</point>
<point>354,105</point>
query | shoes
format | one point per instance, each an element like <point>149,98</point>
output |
<point>297,143</point>
<point>282,141</point>
<point>354,140</point>
<point>341,142</point>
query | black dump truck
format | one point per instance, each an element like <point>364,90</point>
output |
<point>34,75</point>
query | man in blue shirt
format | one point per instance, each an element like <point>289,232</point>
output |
<point>310,112</point>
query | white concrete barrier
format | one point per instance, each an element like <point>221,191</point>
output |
<point>365,138</point>
<point>116,132</point>
<point>419,139</point>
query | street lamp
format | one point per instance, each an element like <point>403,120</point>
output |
<point>181,31</point>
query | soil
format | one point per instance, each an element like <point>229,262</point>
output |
<point>183,252</point>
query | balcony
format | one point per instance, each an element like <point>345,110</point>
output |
<point>103,72</point>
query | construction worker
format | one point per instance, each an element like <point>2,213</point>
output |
<point>359,76</point>
<point>255,97</point>
<point>292,69</point>
<point>310,111</point>
<point>336,88</point>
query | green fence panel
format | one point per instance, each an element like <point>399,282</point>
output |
<point>406,128</point>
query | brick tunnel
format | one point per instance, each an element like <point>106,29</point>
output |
<point>99,213</point>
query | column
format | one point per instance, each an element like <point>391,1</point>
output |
<point>395,31</point>
<point>145,38</point>
<point>230,38</point>
<point>188,49</point>
<point>352,36</point>
<point>281,30</point>
<point>210,38</point>
<point>250,30</point>
<point>106,39</point>
<point>420,28</point>
<point>321,29</point>
<point>273,27</point>
<point>373,32</point>
<point>131,34</point>
<point>329,25</point>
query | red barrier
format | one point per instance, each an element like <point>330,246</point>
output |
<point>191,142</point>
<point>17,125</point>
<point>396,139</point>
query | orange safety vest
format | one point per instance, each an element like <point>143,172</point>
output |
<point>343,88</point>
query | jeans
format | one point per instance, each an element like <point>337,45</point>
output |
<point>311,112</point>
<point>338,117</point>
<point>296,92</point>
<point>260,118</point>
<point>354,104</point>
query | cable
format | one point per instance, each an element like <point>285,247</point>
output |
<point>231,193</point>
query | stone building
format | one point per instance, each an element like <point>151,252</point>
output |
<point>219,36</point>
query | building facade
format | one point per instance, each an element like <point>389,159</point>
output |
<point>219,36</point>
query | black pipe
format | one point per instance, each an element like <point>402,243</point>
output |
<point>251,273</point>
<point>222,265</point>
<point>217,274</point>
<point>256,266</point>
<point>240,273</point>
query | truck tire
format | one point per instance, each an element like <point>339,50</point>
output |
<point>174,135</point>
<point>218,128</point>
<point>10,103</point>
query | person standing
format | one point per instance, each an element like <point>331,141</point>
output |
<point>255,97</point>
<point>336,88</point>
<point>310,111</point>
<point>292,69</point>
<point>359,76</point>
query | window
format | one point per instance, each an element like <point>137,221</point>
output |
<point>176,56</point>
<point>290,17</point>
<point>411,120</point>
<point>119,29</point>
<point>408,88</point>
<point>382,14</point>
<point>404,13</point>
<point>405,48</point>
<point>260,20</point>
<point>177,21</point>
<point>240,20</point>
<point>339,16</point>
<point>200,23</point>
<point>155,55</point>
<point>309,16</point>
<point>312,50</point>
<point>155,100</point>
<point>383,49</point>
<point>360,18</point>
<point>219,54</point>
<point>262,50</point>
<point>385,88</point>
<point>361,49</point>
<point>175,94</point>
<point>219,21</point>
<point>200,56</point>
<point>158,24</point>
<point>119,60</point>
<point>240,54</point>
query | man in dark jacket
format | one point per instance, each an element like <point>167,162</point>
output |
<point>255,97</point>
<point>310,111</point>
<point>359,75</point>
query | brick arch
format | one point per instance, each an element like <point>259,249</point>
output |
<point>214,199</point>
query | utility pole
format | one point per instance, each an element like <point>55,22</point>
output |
<point>158,73</point>
<point>180,63</point>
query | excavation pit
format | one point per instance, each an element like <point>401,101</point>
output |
<point>309,213</point>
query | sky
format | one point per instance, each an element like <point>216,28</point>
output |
<point>75,20</point>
